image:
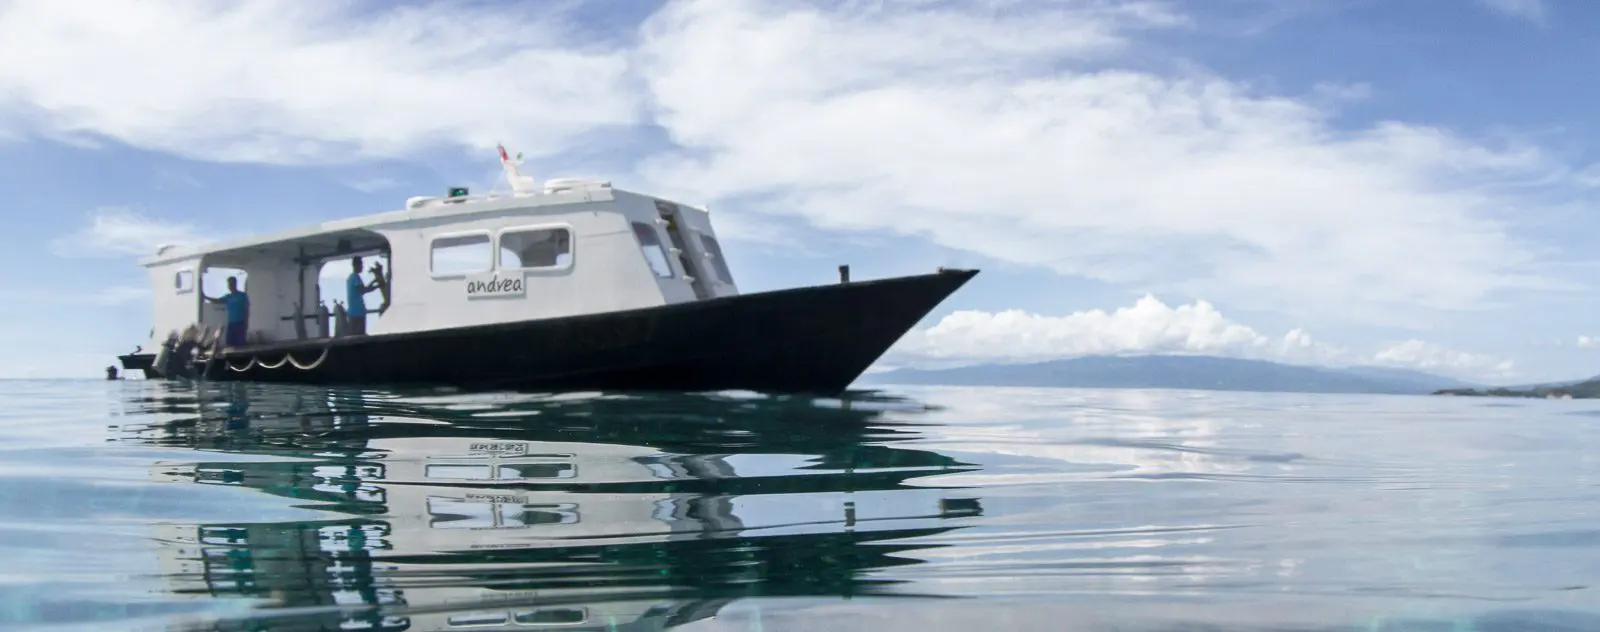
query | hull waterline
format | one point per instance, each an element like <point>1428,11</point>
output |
<point>810,340</point>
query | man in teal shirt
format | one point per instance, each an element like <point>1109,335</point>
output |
<point>356,298</point>
<point>238,306</point>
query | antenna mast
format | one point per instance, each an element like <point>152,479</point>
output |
<point>520,184</point>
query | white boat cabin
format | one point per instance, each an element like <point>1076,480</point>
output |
<point>568,248</point>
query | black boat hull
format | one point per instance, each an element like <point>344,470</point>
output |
<point>143,362</point>
<point>811,340</point>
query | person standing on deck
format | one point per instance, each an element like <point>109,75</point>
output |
<point>238,305</point>
<point>356,294</point>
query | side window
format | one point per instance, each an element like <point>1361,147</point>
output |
<point>717,263</point>
<point>650,243</point>
<point>183,281</point>
<point>460,254</point>
<point>535,249</point>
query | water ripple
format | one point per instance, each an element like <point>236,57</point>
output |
<point>245,507</point>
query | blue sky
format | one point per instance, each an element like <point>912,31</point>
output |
<point>1337,182</point>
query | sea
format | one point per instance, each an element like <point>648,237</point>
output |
<point>148,505</point>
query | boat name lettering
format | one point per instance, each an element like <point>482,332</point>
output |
<point>494,286</point>
<point>507,596</point>
<point>504,499</point>
<point>498,448</point>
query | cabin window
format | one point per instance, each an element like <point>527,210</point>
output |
<point>460,254</point>
<point>183,281</point>
<point>654,252</point>
<point>535,248</point>
<point>552,616</point>
<point>478,618</point>
<point>717,262</point>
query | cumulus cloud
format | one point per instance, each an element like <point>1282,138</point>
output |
<point>373,185</point>
<point>1426,356</point>
<point>284,81</point>
<point>1005,128</point>
<point>167,179</point>
<point>1026,148</point>
<point>1149,326</point>
<point>117,295</point>
<point>1531,10</point>
<point>120,232</point>
<point>106,297</point>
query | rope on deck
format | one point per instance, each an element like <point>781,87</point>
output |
<point>288,358</point>
<point>313,365</point>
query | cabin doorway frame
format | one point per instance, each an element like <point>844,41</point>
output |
<point>688,257</point>
<point>317,261</point>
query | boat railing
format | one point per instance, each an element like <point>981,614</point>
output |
<point>424,201</point>
<point>558,185</point>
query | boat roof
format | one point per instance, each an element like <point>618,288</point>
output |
<point>325,239</point>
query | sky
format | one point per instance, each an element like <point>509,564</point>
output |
<point>1334,182</point>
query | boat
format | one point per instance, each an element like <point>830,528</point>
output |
<point>569,284</point>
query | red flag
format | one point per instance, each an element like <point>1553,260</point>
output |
<point>503,156</point>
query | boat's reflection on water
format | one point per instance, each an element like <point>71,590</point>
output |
<point>527,512</point>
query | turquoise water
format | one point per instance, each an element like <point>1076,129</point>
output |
<point>148,505</point>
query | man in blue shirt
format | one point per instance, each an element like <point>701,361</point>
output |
<point>238,305</point>
<point>356,298</point>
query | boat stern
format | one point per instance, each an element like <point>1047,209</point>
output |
<point>142,362</point>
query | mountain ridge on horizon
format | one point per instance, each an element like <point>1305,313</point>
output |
<point>1202,372</point>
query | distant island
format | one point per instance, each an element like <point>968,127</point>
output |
<point>1184,372</point>
<point>1588,388</point>
<point>1581,390</point>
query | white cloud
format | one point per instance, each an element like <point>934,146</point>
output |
<point>106,297</point>
<point>1331,92</point>
<point>1017,146</point>
<point>173,180</point>
<point>118,295</point>
<point>1003,128</point>
<point>1425,356</point>
<point>1149,326</point>
<point>1588,342</point>
<point>1531,10</point>
<point>285,81</point>
<point>120,232</point>
<point>373,185</point>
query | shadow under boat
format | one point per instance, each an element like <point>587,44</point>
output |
<point>809,340</point>
<point>626,513</point>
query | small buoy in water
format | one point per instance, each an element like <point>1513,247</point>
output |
<point>111,373</point>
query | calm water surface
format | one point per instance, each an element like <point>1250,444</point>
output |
<point>147,505</point>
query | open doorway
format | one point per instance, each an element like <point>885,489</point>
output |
<point>334,273</point>
<point>214,281</point>
<point>214,285</point>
